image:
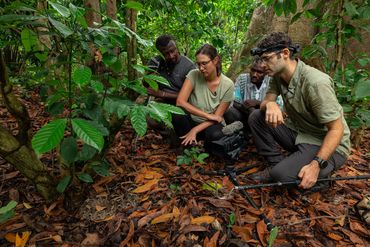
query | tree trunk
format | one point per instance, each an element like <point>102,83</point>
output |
<point>258,27</point>
<point>92,12</point>
<point>112,9</point>
<point>131,16</point>
<point>264,21</point>
<point>17,151</point>
<point>44,38</point>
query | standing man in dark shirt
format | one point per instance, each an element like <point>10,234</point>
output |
<point>172,66</point>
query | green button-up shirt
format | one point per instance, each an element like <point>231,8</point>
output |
<point>310,102</point>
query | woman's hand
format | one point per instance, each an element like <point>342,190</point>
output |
<point>190,137</point>
<point>214,117</point>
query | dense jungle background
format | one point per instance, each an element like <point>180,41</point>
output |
<point>79,166</point>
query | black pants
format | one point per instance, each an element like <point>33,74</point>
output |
<point>286,168</point>
<point>184,123</point>
<point>233,114</point>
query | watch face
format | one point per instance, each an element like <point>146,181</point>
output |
<point>323,164</point>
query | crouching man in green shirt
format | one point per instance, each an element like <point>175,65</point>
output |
<point>315,132</point>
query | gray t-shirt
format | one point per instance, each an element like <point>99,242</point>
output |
<point>174,73</point>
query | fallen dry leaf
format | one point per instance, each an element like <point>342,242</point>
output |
<point>334,236</point>
<point>262,231</point>
<point>21,241</point>
<point>245,233</point>
<point>92,239</point>
<point>129,235</point>
<point>146,187</point>
<point>10,237</point>
<point>202,219</point>
<point>359,229</point>
<point>99,208</point>
<point>162,218</point>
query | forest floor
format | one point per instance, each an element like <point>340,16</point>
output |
<point>149,200</point>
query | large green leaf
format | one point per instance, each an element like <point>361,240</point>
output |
<point>362,89</point>
<point>86,153</point>
<point>49,136</point>
<point>29,39</point>
<point>350,9</point>
<point>63,29</point>
<point>168,108</point>
<point>63,183</point>
<point>157,78</point>
<point>12,204</point>
<point>68,149</point>
<point>138,120</point>
<point>273,235</point>
<point>82,75</point>
<point>17,18</point>
<point>88,133</point>
<point>63,11</point>
<point>6,216</point>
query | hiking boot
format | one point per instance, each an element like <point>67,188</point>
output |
<point>262,176</point>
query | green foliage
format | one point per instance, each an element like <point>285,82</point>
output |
<point>88,133</point>
<point>191,156</point>
<point>63,184</point>
<point>273,235</point>
<point>49,136</point>
<point>222,23</point>
<point>232,220</point>
<point>7,211</point>
<point>84,92</point>
<point>175,188</point>
<point>211,186</point>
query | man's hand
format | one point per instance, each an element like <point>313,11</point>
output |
<point>214,117</point>
<point>190,137</point>
<point>309,174</point>
<point>274,115</point>
<point>252,103</point>
<point>158,93</point>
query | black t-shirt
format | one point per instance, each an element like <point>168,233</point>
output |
<point>174,73</point>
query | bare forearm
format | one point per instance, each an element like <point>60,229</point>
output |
<point>192,109</point>
<point>330,143</point>
<point>169,95</point>
<point>202,126</point>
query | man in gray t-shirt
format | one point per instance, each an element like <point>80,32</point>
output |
<point>172,66</point>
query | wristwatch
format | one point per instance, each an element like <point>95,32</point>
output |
<point>322,163</point>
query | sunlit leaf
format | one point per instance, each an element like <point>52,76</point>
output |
<point>29,39</point>
<point>162,218</point>
<point>63,11</point>
<point>134,5</point>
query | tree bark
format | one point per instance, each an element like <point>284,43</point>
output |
<point>265,21</point>
<point>131,16</point>
<point>92,12</point>
<point>18,151</point>
<point>259,26</point>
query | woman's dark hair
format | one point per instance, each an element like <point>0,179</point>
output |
<point>212,53</point>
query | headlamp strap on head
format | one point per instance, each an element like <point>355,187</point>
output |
<point>259,51</point>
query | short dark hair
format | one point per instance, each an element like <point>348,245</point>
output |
<point>278,39</point>
<point>212,53</point>
<point>163,40</point>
